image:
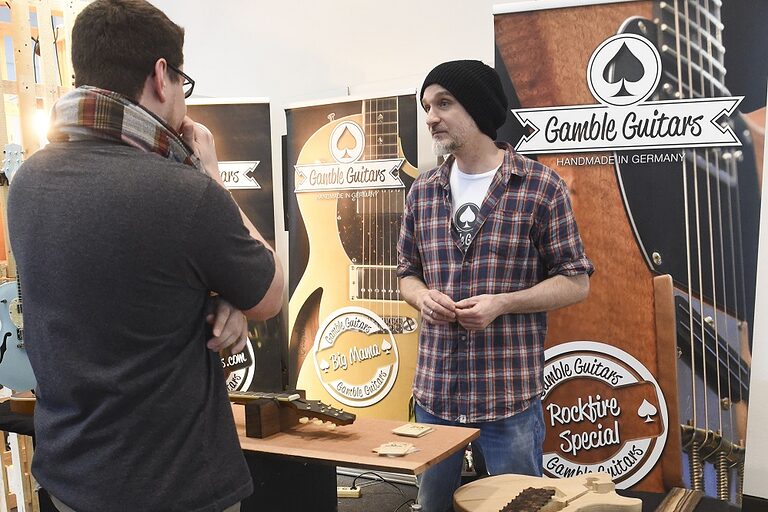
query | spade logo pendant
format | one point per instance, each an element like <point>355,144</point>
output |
<point>465,217</point>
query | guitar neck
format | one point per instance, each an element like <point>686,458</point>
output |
<point>381,120</point>
<point>244,397</point>
<point>690,39</point>
<point>11,162</point>
<point>309,408</point>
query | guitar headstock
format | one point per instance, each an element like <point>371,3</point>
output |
<point>307,408</point>
<point>319,410</point>
<point>11,160</point>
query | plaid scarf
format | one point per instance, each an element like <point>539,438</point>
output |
<point>88,112</point>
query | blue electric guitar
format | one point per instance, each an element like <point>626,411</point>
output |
<point>15,370</point>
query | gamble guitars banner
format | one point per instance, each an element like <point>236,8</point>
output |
<point>349,166</point>
<point>630,103</point>
<point>241,129</point>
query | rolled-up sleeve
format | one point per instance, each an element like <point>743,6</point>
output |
<point>560,245</point>
<point>408,257</point>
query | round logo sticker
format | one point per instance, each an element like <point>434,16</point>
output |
<point>356,357</point>
<point>240,379</point>
<point>604,412</point>
<point>625,69</point>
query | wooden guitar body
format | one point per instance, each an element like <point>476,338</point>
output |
<point>648,295</point>
<point>15,370</point>
<point>586,493</point>
<point>349,281</point>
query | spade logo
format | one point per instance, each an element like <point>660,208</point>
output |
<point>622,68</point>
<point>347,142</point>
<point>465,217</point>
<point>625,69</point>
<point>647,409</point>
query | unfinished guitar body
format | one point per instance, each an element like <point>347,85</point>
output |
<point>591,492</point>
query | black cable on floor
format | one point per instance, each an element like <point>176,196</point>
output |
<point>380,477</point>
<point>406,502</point>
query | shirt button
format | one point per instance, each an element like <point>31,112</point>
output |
<point>463,338</point>
<point>462,419</point>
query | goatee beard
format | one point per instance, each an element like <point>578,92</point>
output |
<point>443,148</point>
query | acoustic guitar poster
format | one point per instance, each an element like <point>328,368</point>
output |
<point>630,102</point>
<point>241,129</point>
<point>352,339</point>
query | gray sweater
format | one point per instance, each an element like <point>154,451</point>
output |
<point>118,251</point>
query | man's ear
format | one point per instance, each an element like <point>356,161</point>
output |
<point>159,80</point>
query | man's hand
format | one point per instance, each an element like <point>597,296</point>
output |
<point>476,313</point>
<point>230,328</point>
<point>200,139</point>
<point>436,307</point>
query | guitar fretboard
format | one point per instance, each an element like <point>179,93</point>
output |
<point>691,35</point>
<point>530,500</point>
<point>255,395</point>
<point>380,128</point>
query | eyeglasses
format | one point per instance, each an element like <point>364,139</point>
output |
<point>189,85</point>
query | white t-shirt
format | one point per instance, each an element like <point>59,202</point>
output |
<point>467,194</point>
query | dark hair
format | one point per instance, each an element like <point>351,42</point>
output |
<point>115,44</point>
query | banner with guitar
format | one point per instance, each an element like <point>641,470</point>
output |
<point>242,130</point>
<point>352,340</point>
<point>629,101</point>
<point>15,369</point>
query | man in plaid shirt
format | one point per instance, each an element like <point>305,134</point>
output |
<point>488,245</point>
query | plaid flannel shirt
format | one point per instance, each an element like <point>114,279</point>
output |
<point>525,232</point>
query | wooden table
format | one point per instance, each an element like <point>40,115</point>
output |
<point>308,455</point>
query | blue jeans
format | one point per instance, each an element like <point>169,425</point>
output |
<point>511,445</point>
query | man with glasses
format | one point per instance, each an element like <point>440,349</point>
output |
<point>123,233</point>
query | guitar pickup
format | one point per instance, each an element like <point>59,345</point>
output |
<point>373,282</point>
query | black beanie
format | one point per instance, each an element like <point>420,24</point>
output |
<point>477,87</point>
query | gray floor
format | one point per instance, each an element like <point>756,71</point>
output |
<point>376,495</point>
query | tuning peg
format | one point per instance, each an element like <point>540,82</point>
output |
<point>331,425</point>
<point>303,420</point>
<point>317,421</point>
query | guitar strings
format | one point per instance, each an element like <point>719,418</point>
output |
<point>392,249</point>
<point>366,233</point>
<point>687,236</point>
<point>360,208</point>
<point>730,171</point>
<point>715,324</point>
<point>697,216</point>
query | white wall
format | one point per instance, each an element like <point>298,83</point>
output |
<point>295,51</point>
